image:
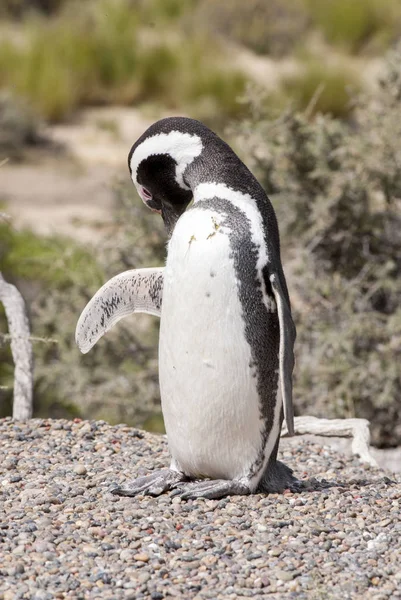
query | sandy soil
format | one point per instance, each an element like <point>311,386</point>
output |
<point>71,192</point>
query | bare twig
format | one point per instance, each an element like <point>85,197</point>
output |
<point>358,429</point>
<point>314,100</point>
<point>33,338</point>
<point>21,349</point>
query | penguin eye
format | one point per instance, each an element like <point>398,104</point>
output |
<point>146,194</point>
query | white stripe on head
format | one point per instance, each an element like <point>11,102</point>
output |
<point>182,147</point>
<point>247,205</point>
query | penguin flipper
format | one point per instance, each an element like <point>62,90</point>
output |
<point>286,352</point>
<point>137,290</point>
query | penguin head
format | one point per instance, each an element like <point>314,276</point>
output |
<point>158,162</point>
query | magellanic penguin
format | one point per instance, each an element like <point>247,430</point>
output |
<point>226,331</point>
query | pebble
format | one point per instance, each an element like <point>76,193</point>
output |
<point>80,470</point>
<point>141,557</point>
<point>63,535</point>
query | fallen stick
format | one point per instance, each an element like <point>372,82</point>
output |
<point>21,349</point>
<point>358,429</point>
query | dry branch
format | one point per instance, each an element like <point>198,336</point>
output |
<point>358,429</point>
<point>21,349</point>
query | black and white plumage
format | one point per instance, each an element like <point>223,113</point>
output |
<point>226,332</point>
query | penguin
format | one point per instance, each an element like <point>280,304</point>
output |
<point>226,332</point>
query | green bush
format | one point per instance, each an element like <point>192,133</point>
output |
<point>101,53</point>
<point>19,128</point>
<point>357,24</point>
<point>117,380</point>
<point>278,27</point>
<point>324,87</point>
<point>273,27</point>
<point>337,189</point>
<point>20,8</point>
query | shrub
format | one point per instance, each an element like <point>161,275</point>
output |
<point>19,128</point>
<point>357,24</point>
<point>337,190</point>
<point>273,27</point>
<point>327,86</point>
<point>102,54</point>
<point>19,8</point>
<point>117,380</point>
<point>279,27</point>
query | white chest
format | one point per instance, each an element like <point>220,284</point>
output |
<point>209,397</point>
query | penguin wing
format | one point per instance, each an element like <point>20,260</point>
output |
<point>137,290</point>
<point>286,352</point>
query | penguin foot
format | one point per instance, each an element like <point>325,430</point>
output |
<point>211,489</point>
<point>151,485</point>
<point>277,478</point>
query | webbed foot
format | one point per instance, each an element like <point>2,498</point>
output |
<point>277,478</point>
<point>151,485</point>
<point>211,489</point>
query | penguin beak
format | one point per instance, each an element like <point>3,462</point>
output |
<point>171,214</point>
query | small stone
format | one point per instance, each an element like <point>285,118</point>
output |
<point>80,469</point>
<point>90,550</point>
<point>15,478</point>
<point>41,546</point>
<point>233,510</point>
<point>143,577</point>
<point>17,570</point>
<point>142,557</point>
<point>382,523</point>
<point>285,575</point>
<point>127,555</point>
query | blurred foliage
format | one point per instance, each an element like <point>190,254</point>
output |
<point>19,128</point>
<point>322,87</point>
<point>278,27</point>
<point>100,53</point>
<point>60,55</point>
<point>117,381</point>
<point>274,27</point>
<point>337,190</point>
<point>19,8</point>
<point>359,24</point>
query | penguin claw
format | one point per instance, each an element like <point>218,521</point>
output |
<point>296,486</point>
<point>151,485</point>
<point>212,489</point>
<point>277,478</point>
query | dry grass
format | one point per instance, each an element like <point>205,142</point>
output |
<point>101,54</point>
<point>323,87</point>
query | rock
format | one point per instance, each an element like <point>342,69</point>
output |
<point>80,470</point>
<point>142,557</point>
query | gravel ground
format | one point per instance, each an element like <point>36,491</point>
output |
<point>63,535</point>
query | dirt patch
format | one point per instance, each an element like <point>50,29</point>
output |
<point>71,192</point>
